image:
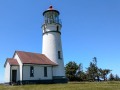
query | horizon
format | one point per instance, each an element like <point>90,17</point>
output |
<point>89,29</point>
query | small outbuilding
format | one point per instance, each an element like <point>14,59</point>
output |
<point>27,67</point>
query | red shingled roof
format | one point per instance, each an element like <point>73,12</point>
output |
<point>34,58</point>
<point>11,61</point>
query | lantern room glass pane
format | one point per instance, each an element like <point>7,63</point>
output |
<point>51,17</point>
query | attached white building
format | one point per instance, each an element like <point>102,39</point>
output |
<point>28,67</point>
<point>48,67</point>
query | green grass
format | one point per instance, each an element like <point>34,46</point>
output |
<point>69,86</point>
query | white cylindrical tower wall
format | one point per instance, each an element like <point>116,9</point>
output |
<point>52,45</point>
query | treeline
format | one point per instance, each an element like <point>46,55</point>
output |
<point>74,72</point>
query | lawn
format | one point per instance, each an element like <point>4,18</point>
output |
<point>69,86</point>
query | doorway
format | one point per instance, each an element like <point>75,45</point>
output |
<point>14,76</point>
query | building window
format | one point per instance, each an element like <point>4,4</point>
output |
<point>45,71</point>
<point>59,55</point>
<point>31,71</point>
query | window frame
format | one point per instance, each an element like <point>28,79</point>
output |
<point>59,55</point>
<point>31,71</point>
<point>45,72</point>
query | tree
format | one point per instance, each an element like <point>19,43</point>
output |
<point>117,77</point>
<point>104,73</point>
<point>92,70</point>
<point>80,75</point>
<point>74,72</point>
<point>95,61</point>
<point>111,77</point>
<point>71,69</point>
<point>80,68</point>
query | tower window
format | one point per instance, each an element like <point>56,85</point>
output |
<point>44,28</point>
<point>57,28</point>
<point>59,55</point>
<point>31,71</point>
<point>45,71</point>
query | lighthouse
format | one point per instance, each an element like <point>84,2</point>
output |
<point>51,44</point>
<point>31,67</point>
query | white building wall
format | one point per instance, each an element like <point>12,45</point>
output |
<point>38,72</point>
<point>20,65</point>
<point>7,73</point>
<point>51,45</point>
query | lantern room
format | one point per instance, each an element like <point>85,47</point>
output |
<point>51,16</point>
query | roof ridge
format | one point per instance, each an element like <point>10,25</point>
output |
<point>11,58</point>
<point>26,52</point>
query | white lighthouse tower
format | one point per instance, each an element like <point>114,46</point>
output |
<point>52,46</point>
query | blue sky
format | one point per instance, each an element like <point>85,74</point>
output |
<point>91,28</point>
